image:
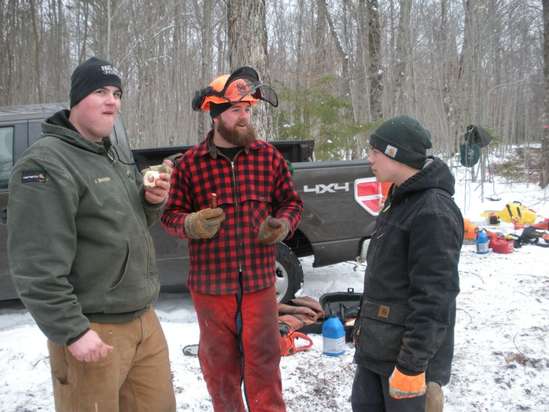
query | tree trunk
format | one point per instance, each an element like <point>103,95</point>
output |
<point>299,80</point>
<point>400,102</point>
<point>545,145</point>
<point>361,95</point>
<point>344,57</point>
<point>465,72</point>
<point>84,40</point>
<point>37,46</point>
<point>375,68</point>
<point>206,30</point>
<point>247,38</point>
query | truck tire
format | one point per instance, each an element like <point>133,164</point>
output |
<point>289,273</point>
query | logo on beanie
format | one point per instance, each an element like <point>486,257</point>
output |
<point>109,70</point>
<point>391,151</point>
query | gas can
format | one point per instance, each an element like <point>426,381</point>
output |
<point>333,337</point>
<point>502,245</point>
<point>482,242</point>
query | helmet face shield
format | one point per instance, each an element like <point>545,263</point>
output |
<point>267,94</point>
<point>246,90</point>
<point>242,85</point>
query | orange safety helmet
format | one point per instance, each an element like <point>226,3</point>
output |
<point>242,85</point>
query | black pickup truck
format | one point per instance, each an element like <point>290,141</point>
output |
<point>341,200</point>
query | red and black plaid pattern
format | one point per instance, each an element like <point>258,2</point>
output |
<point>255,185</point>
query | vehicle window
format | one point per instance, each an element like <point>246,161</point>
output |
<point>6,155</point>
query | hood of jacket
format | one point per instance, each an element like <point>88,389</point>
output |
<point>59,125</point>
<point>434,175</point>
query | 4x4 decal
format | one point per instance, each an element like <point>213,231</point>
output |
<point>329,188</point>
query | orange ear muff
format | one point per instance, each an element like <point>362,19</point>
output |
<point>199,97</point>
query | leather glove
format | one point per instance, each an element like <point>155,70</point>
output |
<point>273,230</point>
<point>434,398</point>
<point>204,224</point>
<point>403,386</point>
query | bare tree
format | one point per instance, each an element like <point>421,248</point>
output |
<point>82,28</point>
<point>247,38</point>
<point>337,64</point>
<point>343,55</point>
<point>467,69</point>
<point>545,148</point>
<point>37,46</point>
<point>206,32</point>
<point>400,97</point>
<point>360,84</point>
<point>375,69</point>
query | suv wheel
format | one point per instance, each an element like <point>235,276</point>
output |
<point>289,273</point>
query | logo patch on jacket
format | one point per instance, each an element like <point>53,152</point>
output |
<point>34,176</point>
<point>102,179</point>
<point>383,311</point>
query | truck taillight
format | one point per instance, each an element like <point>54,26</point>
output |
<point>369,194</point>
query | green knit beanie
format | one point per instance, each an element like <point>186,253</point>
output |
<point>403,139</point>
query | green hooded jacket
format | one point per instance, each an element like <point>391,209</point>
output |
<point>79,247</point>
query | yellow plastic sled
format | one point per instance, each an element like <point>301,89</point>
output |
<point>514,212</point>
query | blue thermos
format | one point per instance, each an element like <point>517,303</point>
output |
<point>482,242</point>
<point>333,337</point>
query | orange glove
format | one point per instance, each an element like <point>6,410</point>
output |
<point>204,224</point>
<point>273,230</point>
<point>403,386</point>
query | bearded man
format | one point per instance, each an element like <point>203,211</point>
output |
<point>233,198</point>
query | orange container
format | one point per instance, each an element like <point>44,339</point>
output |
<point>470,230</point>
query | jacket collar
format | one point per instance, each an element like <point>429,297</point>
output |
<point>435,174</point>
<point>207,147</point>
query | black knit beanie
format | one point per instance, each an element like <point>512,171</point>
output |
<point>91,75</point>
<point>403,139</point>
<point>217,109</point>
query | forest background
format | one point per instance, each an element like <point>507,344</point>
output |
<point>339,66</point>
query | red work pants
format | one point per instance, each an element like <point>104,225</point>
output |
<point>226,362</point>
<point>134,377</point>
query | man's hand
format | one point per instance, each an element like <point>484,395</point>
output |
<point>157,183</point>
<point>89,348</point>
<point>273,230</point>
<point>292,310</point>
<point>403,386</point>
<point>204,224</point>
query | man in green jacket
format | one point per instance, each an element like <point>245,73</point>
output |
<point>82,258</point>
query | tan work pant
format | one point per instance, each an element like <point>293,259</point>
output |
<point>134,377</point>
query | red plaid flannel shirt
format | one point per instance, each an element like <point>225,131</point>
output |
<point>261,186</point>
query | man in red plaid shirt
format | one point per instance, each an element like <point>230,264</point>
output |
<point>233,198</point>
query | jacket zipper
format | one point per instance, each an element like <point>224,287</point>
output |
<point>236,207</point>
<point>237,213</point>
<point>124,184</point>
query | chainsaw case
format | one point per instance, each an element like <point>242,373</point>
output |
<point>344,305</point>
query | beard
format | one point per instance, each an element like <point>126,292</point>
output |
<point>238,135</point>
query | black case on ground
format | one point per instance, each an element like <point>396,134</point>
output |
<point>344,305</point>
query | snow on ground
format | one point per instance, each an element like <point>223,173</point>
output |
<point>502,334</point>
